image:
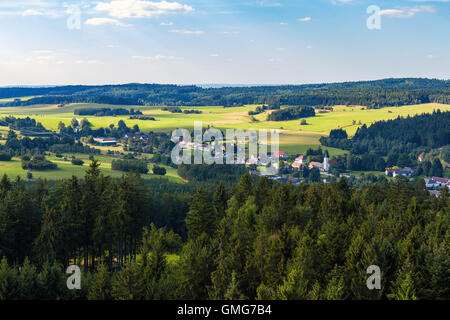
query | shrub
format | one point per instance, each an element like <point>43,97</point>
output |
<point>5,156</point>
<point>77,162</point>
<point>160,171</point>
<point>29,175</point>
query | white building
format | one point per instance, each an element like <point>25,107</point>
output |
<point>326,163</point>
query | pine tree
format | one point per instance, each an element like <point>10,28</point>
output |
<point>27,281</point>
<point>127,284</point>
<point>233,292</point>
<point>335,289</point>
<point>220,201</point>
<point>8,281</point>
<point>100,286</point>
<point>201,218</point>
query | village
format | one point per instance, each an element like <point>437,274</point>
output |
<point>288,170</point>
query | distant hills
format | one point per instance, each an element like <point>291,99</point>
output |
<point>374,94</point>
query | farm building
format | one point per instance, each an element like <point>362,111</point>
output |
<point>106,141</point>
<point>406,172</point>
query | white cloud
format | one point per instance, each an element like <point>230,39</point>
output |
<point>42,51</point>
<point>32,12</point>
<point>45,58</point>
<point>214,55</point>
<point>154,58</point>
<point>309,47</point>
<point>305,19</point>
<point>269,4</point>
<point>187,32</point>
<point>88,62</point>
<point>230,32</point>
<point>105,21</point>
<point>407,12</point>
<point>141,8</point>
<point>284,23</point>
<point>166,24</point>
<point>429,56</point>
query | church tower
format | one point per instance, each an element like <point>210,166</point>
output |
<point>326,161</point>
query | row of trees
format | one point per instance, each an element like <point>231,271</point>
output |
<point>291,113</point>
<point>16,146</point>
<point>129,165</point>
<point>103,112</point>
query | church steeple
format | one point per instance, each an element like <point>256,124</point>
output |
<point>326,161</point>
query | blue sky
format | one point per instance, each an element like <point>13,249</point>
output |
<point>49,42</point>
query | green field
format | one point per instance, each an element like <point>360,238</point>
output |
<point>294,138</point>
<point>66,169</point>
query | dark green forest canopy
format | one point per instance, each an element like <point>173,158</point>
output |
<point>398,135</point>
<point>374,94</point>
<point>257,240</point>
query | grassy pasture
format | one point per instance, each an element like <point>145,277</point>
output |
<point>294,138</point>
<point>66,169</point>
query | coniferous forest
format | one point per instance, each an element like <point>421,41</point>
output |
<point>258,239</point>
<point>373,94</point>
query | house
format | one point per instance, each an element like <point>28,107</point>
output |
<point>442,182</point>
<point>430,183</point>
<point>435,193</point>
<point>299,162</point>
<point>253,160</point>
<point>296,165</point>
<point>302,159</point>
<point>314,164</point>
<point>406,172</point>
<point>280,154</point>
<point>254,172</point>
<point>421,157</point>
<point>106,141</point>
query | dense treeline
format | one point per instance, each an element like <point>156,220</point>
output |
<point>214,172</point>
<point>83,128</point>
<point>374,94</point>
<point>395,142</point>
<point>77,147</point>
<point>292,113</point>
<point>158,143</point>
<point>37,163</point>
<point>24,146</point>
<point>104,112</point>
<point>259,240</point>
<point>22,123</point>
<point>129,165</point>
